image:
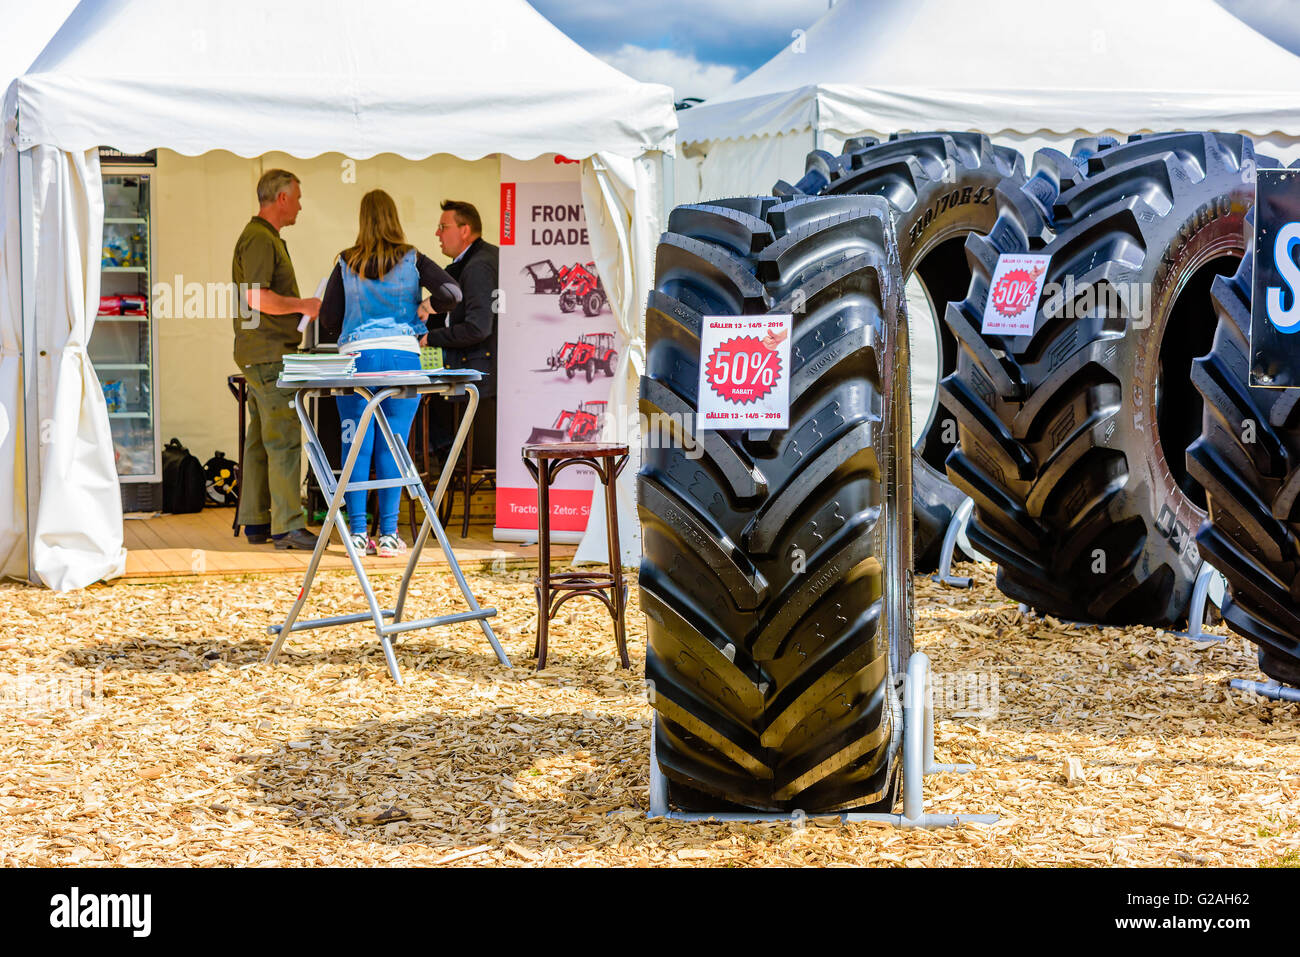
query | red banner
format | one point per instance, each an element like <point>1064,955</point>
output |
<point>507,214</point>
<point>517,508</point>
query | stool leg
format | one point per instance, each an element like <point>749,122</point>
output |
<point>544,560</point>
<point>445,505</point>
<point>469,471</point>
<point>615,559</point>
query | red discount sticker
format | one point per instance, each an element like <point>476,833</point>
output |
<point>1015,292</point>
<point>743,370</point>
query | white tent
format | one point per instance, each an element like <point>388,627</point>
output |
<point>299,76</point>
<point>1028,74</point>
<point>27,28</point>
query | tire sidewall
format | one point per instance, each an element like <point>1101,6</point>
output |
<point>975,210</point>
<point>1212,230</point>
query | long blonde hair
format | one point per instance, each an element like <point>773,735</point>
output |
<point>380,244</point>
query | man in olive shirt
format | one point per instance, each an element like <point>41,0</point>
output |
<point>269,500</point>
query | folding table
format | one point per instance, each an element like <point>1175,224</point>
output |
<point>375,388</point>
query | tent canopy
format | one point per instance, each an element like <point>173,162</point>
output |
<point>1013,66</point>
<point>27,28</point>
<point>305,78</point>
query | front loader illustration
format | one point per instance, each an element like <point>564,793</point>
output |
<point>590,352</point>
<point>571,426</point>
<point>545,277</point>
<point>580,285</point>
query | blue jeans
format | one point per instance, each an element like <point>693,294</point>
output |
<point>374,450</point>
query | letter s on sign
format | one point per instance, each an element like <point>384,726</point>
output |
<point>1285,320</point>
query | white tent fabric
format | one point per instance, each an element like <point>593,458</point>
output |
<point>27,28</point>
<point>1028,74</point>
<point>623,245</point>
<point>78,538</point>
<point>300,76</point>
<point>305,78</point>
<point>13,556</point>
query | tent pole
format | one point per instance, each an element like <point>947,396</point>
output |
<point>31,391</point>
<point>817,119</point>
<point>667,177</point>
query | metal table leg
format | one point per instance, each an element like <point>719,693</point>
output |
<point>410,480</point>
<point>316,458</point>
<point>402,456</point>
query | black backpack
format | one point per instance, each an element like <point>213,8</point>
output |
<point>183,479</point>
<point>221,480</point>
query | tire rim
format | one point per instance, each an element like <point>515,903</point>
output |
<point>923,342</point>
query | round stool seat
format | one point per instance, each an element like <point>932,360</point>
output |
<point>573,450</point>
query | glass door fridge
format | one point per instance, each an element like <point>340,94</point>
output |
<point>123,344</point>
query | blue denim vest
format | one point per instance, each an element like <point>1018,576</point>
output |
<point>382,307</point>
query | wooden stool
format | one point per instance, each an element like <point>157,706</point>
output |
<point>545,461</point>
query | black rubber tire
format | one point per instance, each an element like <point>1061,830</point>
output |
<point>568,302</point>
<point>772,676</point>
<point>1064,433</point>
<point>610,362</point>
<point>1252,531</point>
<point>591,304</point>
<point>589,367</point>
<point>941,186</point>
<point>568,371</point>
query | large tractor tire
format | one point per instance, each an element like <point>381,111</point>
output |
<point>776,568</point>
<point>1248,461</point>
<point>942,187</point>
<point>1073,438</point>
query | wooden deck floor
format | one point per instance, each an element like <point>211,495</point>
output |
<point>202,544</point>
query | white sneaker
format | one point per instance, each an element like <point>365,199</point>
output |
<point>362,544</point>
<point>390,546</point>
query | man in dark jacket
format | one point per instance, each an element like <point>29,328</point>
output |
<point>468,334</point>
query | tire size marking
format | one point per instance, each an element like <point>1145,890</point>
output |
<point>1205,214</point>
<point>1180,536</point>
<point>981,196</point>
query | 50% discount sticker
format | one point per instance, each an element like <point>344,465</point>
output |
<point>744,372</point>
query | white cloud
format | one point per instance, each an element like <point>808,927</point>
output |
<point>683,72</point>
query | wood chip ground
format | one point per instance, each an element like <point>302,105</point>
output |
<point>140,728</point>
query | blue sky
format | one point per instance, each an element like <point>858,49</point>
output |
<point>699,48</point>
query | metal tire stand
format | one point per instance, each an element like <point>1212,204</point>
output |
<point>918,763</point>
<point>1199,605</point>
<point>375,392</point>
<point>956,527</point>
<point>1196,613</point>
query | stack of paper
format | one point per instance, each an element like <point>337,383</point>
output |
<point>306,366</point>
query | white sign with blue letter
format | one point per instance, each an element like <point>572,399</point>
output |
<point>1275,293</point>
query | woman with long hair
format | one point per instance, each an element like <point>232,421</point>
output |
<point>372,302</point>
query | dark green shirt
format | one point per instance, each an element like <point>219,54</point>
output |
<point>262,259</point>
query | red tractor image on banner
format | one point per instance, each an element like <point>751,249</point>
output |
<point>593,351</point>
<point>576,285</point>
<point>580,426</point>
